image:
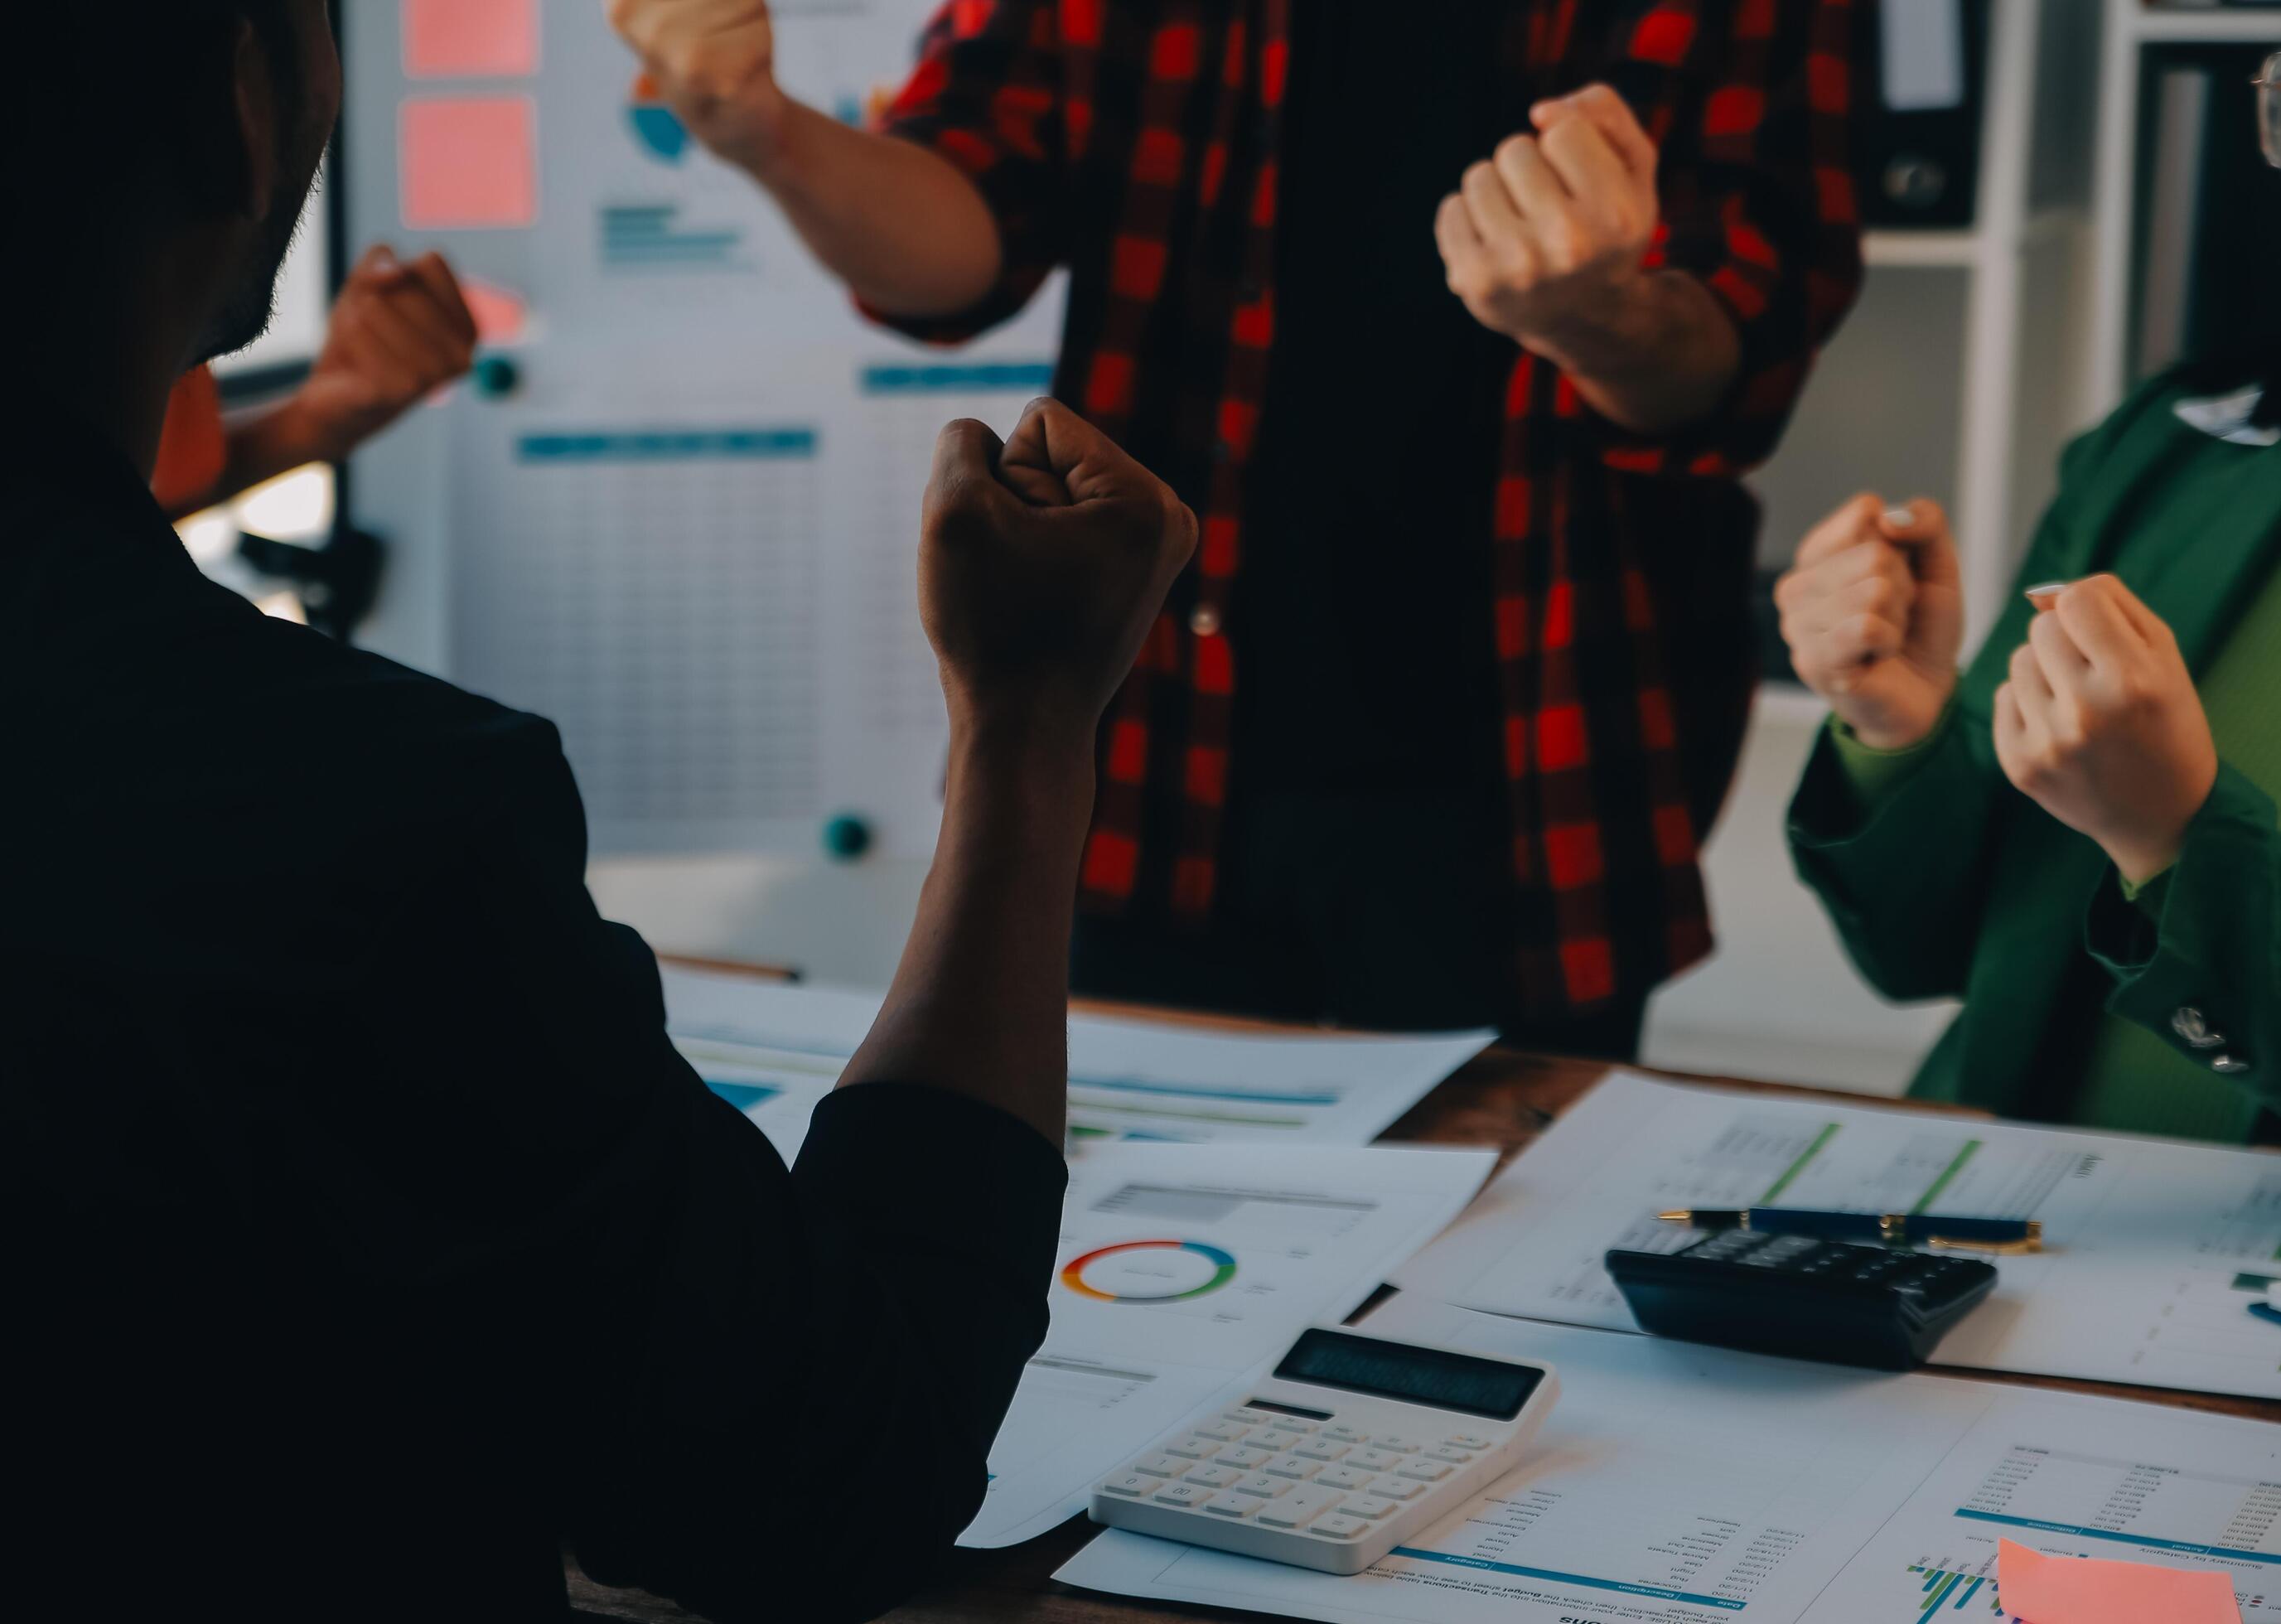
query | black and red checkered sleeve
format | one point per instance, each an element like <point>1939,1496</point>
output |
<point>989,93</point>
<point>1758,201</point>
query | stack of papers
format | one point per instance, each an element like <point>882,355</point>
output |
<point>1185,1271</point>
<point>775,1051</point>
<point>2154,1249</point>
<point>1221,1200</point>
<point>1675,1484</point>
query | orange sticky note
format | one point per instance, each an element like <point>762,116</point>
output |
<point>464,39</point>
<point>465,164</point>
<point>2035,1588</point>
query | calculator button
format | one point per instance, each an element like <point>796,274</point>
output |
<point>1339,1526</point>
<point>1455,1457</point>
<point>1276,1440</point>
<point>1343,1477</point>
<point>1160,1466</point>
<point>1247,1416</point>
<point>1396,1489</point>
<point>1426,1471</point>
<point>1227,1432</point>
<point>1400,1446</point>
<point>1194,1448</point>
<point>1291,1466</point>
<point>1467,1440</point>
<point>1345,1434</point>
<point>1244,1459</point>
<point>1292,1423</point>
<point>1321,1450</point>
<point>1213,1477</point>
<point>1259,1486</point>
<point>1232,1508</point>
<point>1372,1506</point>
<point>1375,1460</point>
<point>1298,1508</point>
<point>1183,1493</point>
<point>1132,1486</point>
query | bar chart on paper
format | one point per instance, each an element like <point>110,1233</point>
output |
<point>2152,1249</point>
<point>2077,1477</point>
<point>1682,1485</point>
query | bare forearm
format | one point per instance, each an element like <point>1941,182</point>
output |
<point>903,227</point>
<point>1660,358</point>
<point>258,449</point>
<point>981,1001</point>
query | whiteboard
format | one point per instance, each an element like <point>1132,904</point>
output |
<point>689,533</point>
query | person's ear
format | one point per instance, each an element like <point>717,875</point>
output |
<point>259,137</point>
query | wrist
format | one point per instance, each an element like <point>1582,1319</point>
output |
<point>1048,758</point>
<point>297,434</point>
<point>2140,855</point>
<point>1594,332</point>
<point>762,140</point>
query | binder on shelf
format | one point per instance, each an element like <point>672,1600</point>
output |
<point>2207,209</point>
<point>1920,146</point>
<point>2178,133</point>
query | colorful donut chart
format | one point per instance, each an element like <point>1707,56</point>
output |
<point>1223,1271</point>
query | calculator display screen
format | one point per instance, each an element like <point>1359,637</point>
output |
<point>1414,1375</point>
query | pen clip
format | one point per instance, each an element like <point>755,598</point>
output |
<point>1993,1248</point>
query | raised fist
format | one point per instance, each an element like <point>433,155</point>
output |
<point>1043,563</point>
<point>1873,611</point>
<point>714,61</point>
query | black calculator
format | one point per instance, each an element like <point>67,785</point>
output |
<point>1801,1297</point>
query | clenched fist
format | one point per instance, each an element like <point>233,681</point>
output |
<point>1872,610</point>
<point>714,61</point>
<point>1551,231</point>
<point>399,333</point>
<point>1043,563</point>
<point>2100,725</point>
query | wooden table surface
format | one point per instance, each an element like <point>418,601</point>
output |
<point>1503,1099</point>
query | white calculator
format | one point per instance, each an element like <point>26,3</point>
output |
<point>1353,1445</point>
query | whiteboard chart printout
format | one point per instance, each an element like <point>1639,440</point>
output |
<point>683,522</point>
<point>2154,1248</point>
<point>1681,1485</point>
<point>775,1051</point>
<point>1185,1271</point>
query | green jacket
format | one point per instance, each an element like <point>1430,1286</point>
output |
<point>1954,885</point>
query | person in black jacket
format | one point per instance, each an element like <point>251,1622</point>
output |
<point>366,1241</point>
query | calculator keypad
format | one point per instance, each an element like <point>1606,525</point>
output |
<point>1916,1274</point>
<point>1325,1480</point>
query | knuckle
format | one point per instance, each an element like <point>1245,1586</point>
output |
<point>1510,149</point>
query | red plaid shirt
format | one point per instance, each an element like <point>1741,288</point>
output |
<point>1101,133</point>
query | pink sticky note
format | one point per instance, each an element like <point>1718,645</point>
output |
<point>2035,1588</point>
<point>458,39</point>
<point>467,164</point>
<point>500,313</point>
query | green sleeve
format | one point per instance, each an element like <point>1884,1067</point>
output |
<point>1902,875</point>
<point>2196,957</point>
<point>1905,873</point>
<point>1875,774</point>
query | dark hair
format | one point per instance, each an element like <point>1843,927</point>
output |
<point>114,91</point>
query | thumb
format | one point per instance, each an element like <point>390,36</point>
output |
<point>1921,528</point>
<point>379,266</point>
<point>965,475</point>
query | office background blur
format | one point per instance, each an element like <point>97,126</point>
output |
<point>2094,209</point>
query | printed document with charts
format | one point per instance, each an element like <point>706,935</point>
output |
<point>774,1051</point>
<point>1675,1484</point>
<point>1185,1271</point>
<point>2154,1248</point>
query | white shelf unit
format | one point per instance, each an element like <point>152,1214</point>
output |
<point>1961,376</point>
<point>2131,27</point>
